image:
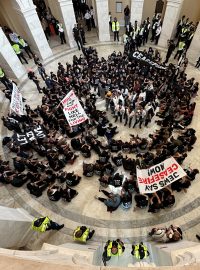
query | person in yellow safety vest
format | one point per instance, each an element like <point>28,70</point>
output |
<point>82,234</point>
<point>140,251</point>
<point>44,224</point>
<point>3,78</point>
<point>24,45</point>
<point>181,48</point>
<point>115,29</point>
<point>17,48</point>
<point>112,248</point>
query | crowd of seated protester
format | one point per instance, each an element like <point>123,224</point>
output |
<point>134,93</point>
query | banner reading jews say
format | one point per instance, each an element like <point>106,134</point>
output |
<point>73,110</point>
<point>16,104</point>
<point>159,176</point>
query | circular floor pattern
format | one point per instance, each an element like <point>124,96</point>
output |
<point>84,209</point>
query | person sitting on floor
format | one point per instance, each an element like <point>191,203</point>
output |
<point>112,202</point>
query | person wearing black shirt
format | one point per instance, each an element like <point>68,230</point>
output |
<point>126,15</point>
<point>171,48</point>
<point>77,37</point>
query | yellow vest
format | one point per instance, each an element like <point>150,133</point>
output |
<point>22,42</point>
<point>109,247</point>
<point>42,227</point>
<point>83,237</point>
<point>117,26</point>
<point>137,253</point>
<point>16,48</point>
<point>2,74</point>
<point>181,45</point>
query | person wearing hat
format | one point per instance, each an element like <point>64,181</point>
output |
<point>44,224</point>
<point>140,251</point>
<point>112,248</point>
<point>82,234</point>
<point>115,29</point>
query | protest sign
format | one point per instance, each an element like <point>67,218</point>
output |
<point>159,176</point>
<point>141,57</point>
<point>16,104</point>
<point>32,135</point>
<point>73,110</point>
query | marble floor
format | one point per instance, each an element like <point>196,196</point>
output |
<point>84,209</point>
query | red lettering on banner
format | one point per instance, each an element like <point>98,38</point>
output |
<point>72,107</point>
<point>174,167</point>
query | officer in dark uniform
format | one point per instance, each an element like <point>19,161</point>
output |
<point>77,37</point>
<point>171,47</point>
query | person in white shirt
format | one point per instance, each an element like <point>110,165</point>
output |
<point>158,32</point>
<point>139,117</point>
<point>88,20</point>
<point>61,32</point>
<point>119,111</point>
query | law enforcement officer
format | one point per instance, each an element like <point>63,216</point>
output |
<point>82,234</point>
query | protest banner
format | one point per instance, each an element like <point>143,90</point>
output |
<point>16,104</point>
<point>34,134</point>
<point>141,57</point>
<point>73,110</point>
<point>159,176</point>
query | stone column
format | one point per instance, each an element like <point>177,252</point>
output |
<point>9,60</point>
<point>102,11</point>
<point>34,33</point>
<point>171,18</point>
<point>15,227</point>
<point>68,19</point>
<point>193,52</point>
<point>136,11</point>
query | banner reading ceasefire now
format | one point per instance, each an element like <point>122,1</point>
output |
<point>158,176</point>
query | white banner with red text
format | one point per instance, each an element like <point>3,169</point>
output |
<point>73,110</point>
<point>159,176</point>
<point>16,104</point>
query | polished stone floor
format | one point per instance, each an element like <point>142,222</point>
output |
<point>84,209</point>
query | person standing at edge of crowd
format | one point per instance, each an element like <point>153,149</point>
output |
<point>115,29</point>
<point>181,49</point>
<point>82,33</point>
<point>77,37</point>
<point>171,48</point>
<point>126,15</point>
<point>61,33</point>
<point>31,76</point>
